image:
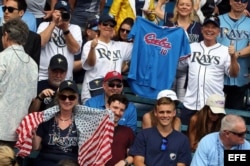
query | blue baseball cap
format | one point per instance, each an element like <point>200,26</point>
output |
<point>62,5</point>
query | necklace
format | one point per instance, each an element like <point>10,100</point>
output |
<point>64,120</point>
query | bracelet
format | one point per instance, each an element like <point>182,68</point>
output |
<point>66,32</point>
<point>126,162</point>
<point>39,98</point>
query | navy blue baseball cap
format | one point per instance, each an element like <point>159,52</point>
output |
<point>69,85</point>
<point>62,5</point>
<point>106,18</point>
<point>212,19</point>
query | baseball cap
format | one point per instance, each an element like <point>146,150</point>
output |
<point>216,103</point>
<point>112,75</point>
<point>106,18</point>
<point>69,85</point>
<point>212,19</point>
<point>93,24</point>
<point>167,93</point>
<point>58,61</point>
<point>62,5</point>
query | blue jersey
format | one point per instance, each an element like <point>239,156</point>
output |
<point>237,32</point>
<point>155,57</point>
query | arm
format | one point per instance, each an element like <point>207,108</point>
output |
<point>177,123</point>
<point>146,121</point>
<point>46,34</point>
<point>192,133</point>
<point>234,67</point>
<point>77,65</point>
<point>91,60</point>
<point>49,13</point>
<point>72,4</point>
<point>72,44</point>
<point>36,141</point>
<point>129,160</point>
<point>158,9</point>
<point>245,52</point>
<point>139,161</point>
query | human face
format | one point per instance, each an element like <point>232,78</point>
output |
<point>238,6</point>
<point>15,14</point>
<point>56,76</point>
<point>106,29</point>
<point>112,87</point>
<point>67,104</point>
<point>124,31</point>
<point>184,7</point>
<point>213,117</point>
<point>236,135</point>
<point>118,109</point>
<point>165,114</point>
<point>210,32</point>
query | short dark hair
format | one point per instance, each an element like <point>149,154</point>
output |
<point>21,4</point>
<point>118,97</point>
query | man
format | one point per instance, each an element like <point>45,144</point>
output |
<point>208,63</point>
<point>112,84</point>
<point>59,37</point>
<point>18,79</point>
<point>234,30</point>
<point>46,89</point>
<point>123,135</point>
<point>16,9</point>
<point>211,148</point>
<point>161,145</point>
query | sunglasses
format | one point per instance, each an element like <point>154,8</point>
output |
<point>112,85</point>
<point>10,9</point>
<point>64,97</point>
<point>242,1</point>
<point>239,134</point>
<point>108,24</point>
<point>124,30</point>
<point>164,143</point>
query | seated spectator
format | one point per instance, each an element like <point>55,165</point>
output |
<point>112,84</point>
<point>46,89</point>
<point>231,136</point>
<point>7,156</point>
<point>149,119</point>
<point>161,145</point>
<point>207,120</point>
<point>123,135</point>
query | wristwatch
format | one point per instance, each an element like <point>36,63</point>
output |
<point>39,98</point>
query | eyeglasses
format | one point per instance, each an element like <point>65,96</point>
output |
<point>242,1</point>
<point>124,30</point>
<point>64,97</point>
<point>164,143</point>
<point>112,85</point>
<point>10,9</point>
<point>242,134</point>
<point>108,24</point>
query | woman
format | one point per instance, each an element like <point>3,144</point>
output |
<point>57,138</point>
<point>183,16</point>
<point>207,120</point>
<point>7,156</point>
<point>124,29</point>
<point>149,119</point>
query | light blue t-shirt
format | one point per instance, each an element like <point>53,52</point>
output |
<point>210,151</point>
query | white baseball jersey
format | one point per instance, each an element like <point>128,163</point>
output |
<point>207,66</point>
<point>109,57</point>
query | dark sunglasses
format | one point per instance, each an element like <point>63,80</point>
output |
<point>64,97</point>
<point>124,30</point>
<point>242,1</point>
<point>239,134</point>
<point>108,24</point>
<point>112,85</point>
<point>164,143</point>
<point>10,9</point>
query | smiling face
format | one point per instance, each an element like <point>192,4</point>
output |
<point>210,32</point>
<point>67,100</point>
<point>118,109</point>
<point>184,7</point>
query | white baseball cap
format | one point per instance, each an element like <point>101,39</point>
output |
<point>216,103</point>
<point>167,93</point>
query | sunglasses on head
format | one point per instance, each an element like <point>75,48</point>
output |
<point>124,30</point>
<point>64,97</point>
<point>242,1</point>
<point>108,24</point>
<point>164,143</point>
<point>112,85</point>
<point>10,9</point>
<point>242,134</point>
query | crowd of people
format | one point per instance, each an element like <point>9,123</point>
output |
<point>64,65</point>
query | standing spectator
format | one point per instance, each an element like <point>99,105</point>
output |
<point>234,31</point>
<point>122,9</point>
<point>18,75</point>
<point>46,90</point>
<point>123,135</point>
<point>112,84</point>
<point>161,145</point>
<point>124,29</point>
<point>7,156</point>
<point>33,45</point>
<point>207,120</point>
<point>208,64</point>
<point>59,37</point>
<point>231,136</point>
<point>102,55</point>
<point>183,16</point>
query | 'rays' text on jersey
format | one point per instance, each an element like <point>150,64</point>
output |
<point>205,60</point>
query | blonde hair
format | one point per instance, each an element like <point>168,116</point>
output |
<point>7,156</point>
<point>176,15</point>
